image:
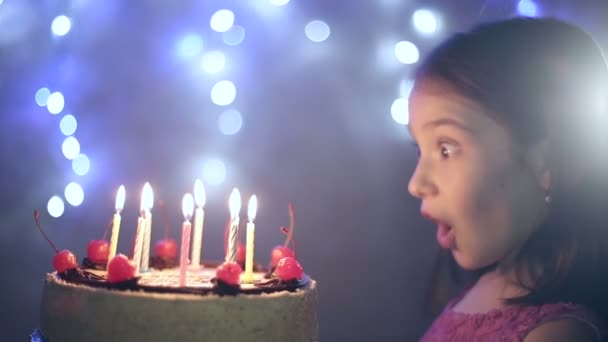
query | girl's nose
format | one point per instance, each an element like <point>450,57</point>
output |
<point>420,185</point>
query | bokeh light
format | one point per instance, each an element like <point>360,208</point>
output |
<point>279,2</point>
<point>214,172</point>
<point>527,8</point>
<point>213,62</point>
<point>55,103</point>
<point>189,46</point>
<point>223,93</point>
<point>399,110</point>
<point>317,31</point>
<point>55,205</point>
<point>68,125</point>
<point>222,20</point>
<point>234,36</point>
<point>406,52</point>
<point>425,21</point>
<point>74,194</point>
<point>61,25</point>
<point>81,164</point>
<point>230,122</point>
<point>42,96</point>
<point>70,148</point>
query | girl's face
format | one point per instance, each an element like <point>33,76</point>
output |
<point>484,194</point>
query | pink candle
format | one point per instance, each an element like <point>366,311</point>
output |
<point>187,209</point>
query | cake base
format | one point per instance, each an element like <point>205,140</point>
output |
<point>75,312</point>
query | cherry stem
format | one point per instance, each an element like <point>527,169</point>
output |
<point>292,223</point>
<point>286,231</point>
<point>166,224</point>
<point>105,234</point>
<point>36,216</point>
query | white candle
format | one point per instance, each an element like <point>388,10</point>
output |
<point>251,212</point>
<point>139,235</point>
<point>120,202</point>
<point>145,256</point>
<point>199,219</point>
<point>187,207</point>
<point>234,204</point>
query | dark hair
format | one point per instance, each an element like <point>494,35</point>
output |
<point>544,78</point>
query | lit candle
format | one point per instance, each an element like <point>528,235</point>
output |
<point>187,208</point>
<point>234,204</point>
<point>120,203</point>
<point>141,227</point>
<point>199,219</point>
<point>252,208</point>
<point>145,256</point>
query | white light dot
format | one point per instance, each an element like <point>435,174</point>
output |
<point>61,25</point>
<point>230,122</point>
<point>279,2</point>
<point>222,20</point>
<point>42,96</point>
<point>406,52</point>
<point>317,31</point>
<point>68,124</point>
<point>425,21</point>
<point>189,46</point>
<point>213,62</point>
<point>223,93</point>
<point>214,172</point>
<point>74,194</point>
<point>70,148</point>
<point>527,8</point>
<point>55,206</point>
<point>55,103</point>
<point>81,165</point>
<point>399,111</point>
<point>234,36</point>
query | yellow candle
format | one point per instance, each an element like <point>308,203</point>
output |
<point>187,207</point>
<point>251,212</point>
<point>199,219</point>
<point>120,202</point>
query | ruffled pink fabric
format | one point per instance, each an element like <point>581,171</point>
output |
<point>508,324</point>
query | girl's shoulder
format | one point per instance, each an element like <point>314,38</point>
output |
<point>509,323</point>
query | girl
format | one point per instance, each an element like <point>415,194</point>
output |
<point>510,121</point>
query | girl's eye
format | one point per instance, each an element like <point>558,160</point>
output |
<point>447,150</point>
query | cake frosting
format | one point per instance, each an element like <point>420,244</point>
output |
<point>79,305</point>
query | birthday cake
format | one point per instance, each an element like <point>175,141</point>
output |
<point>81,307</point>
<point>115,300</point>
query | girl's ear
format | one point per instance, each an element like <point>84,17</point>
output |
<point>538,158</point>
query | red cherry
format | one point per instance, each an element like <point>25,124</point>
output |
<point>98,250</point>
<point>280,252</point>
<point>289,268</point>
<point>240,253</point>
<point>229,273</point>
<point>64,260</point>
<point>120,268</point>
<point>166,248</point>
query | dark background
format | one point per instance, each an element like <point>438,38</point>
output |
<point>317,131</point>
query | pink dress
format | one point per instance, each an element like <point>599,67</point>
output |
<point>511,323</point>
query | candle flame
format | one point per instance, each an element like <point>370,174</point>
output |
<point>120,199</point>
<point>200,197</point>
<point>147,197</point>
<point>187,206</point>
<point>252,208</point>
<point>234,203</point>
